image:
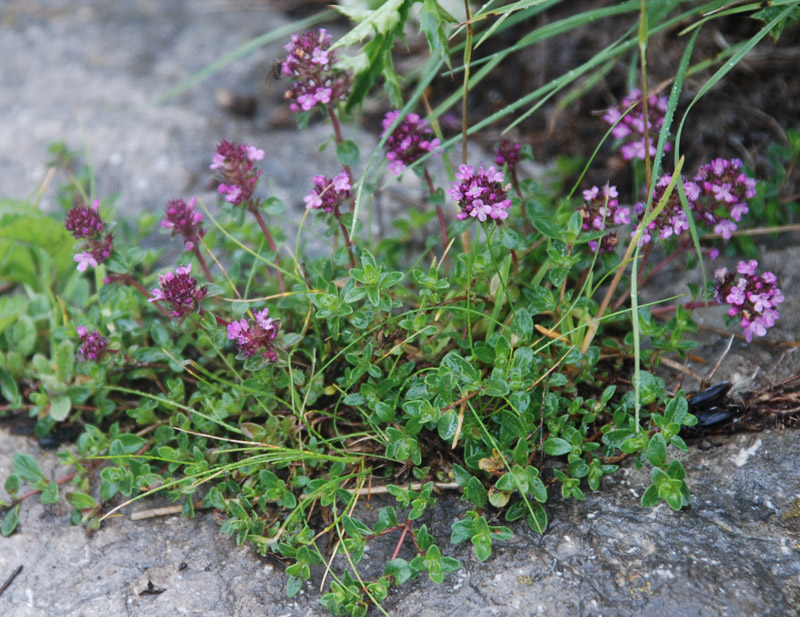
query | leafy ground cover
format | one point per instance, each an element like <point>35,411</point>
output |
<point>279,390</point>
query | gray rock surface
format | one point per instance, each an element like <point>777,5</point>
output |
<point>89,70</point>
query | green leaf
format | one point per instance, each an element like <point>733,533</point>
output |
<point>399,569</point>
<point>293,586</point>
<point>50,493</point>
<point>555,446</point>
<point>27,468</point>
<point>657,450</point>
<point>12,484</point>
<point>537,520</point>
<point>432,18</point>
<point>523,324</point>
<point>9,389</point>
<point>10,521</point>
<point>21,336</point>
<point>347,152</point>
<point>60,407</point>
<point>11,307</point>
<point>475,491</point>
<point>80,501</point>
<point>65,360</point>
<point>22,235</point>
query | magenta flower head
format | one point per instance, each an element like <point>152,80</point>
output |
<point>234,164</point>
<point>724,191</point>
<point>752,297</point>
<point>311,64</point>
<point>181,218</point>
<point>410,141</point>
<point>631,128</point>
<point>86,224</point>
<point>601,210</point>
<point>255,336</point>
<point>179,289</point>
<point>508,153</point>
<point>480,194</point>
<point>672,219</point>
<point>329,193</point>
<point>94,347</point>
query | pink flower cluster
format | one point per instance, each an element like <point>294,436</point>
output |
<point>508,153</point>
<point>752,296</point>
<point>480,194</point>
<point>599,211</point>
<point>254,336</point>
<point>717,194</point>
<point>234,164</point>
<point>723,191</point>
<point>179,289</point>
<point>328,194</point>
<point>181,218</point>
<point>672,219</point>
<point>311,64</point>
<point>409,142</point>
<point>631,127</point>
<point>86,224</point>
<point>93,347</point>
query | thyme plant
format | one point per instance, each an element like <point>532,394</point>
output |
<point>509,360</point>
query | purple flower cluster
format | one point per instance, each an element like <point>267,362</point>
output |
<point>672,219</point>
<point>601,210</point>
<point>86,224</point>
<point>254,336</point>
<point>329,193</point>
<point>752,296</point>
<point>632,126</point>
<point>179,289</point>
<point>311,64</point>
<point>508,153</point>
<point>409,142</point>
<point>94,347</point>
<point>480,194</point>
<point>717,194</point>
<point>181,218</point>
<point>234,164</point>
<point>723,191</point>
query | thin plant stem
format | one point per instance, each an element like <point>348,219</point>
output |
<point>346,235</point>
<point>337,134</point>
<point>660,310</point>
<point>129,280</point>
<point>271,244</point>
<point>440,215</point>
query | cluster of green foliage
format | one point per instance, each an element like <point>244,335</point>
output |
<point>501,356</point>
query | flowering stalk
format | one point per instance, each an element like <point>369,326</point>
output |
<point>753,298</point>
<point>408,142</point>
<point>234,164</point>
<point>94,347</point>
<point>329,194</point>
<point>87,225</point>
<point>253,337</point>
<point>182,219</point>
<point>179,289</point>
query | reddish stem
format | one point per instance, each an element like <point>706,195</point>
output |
<point>406,527</point>
<point>337,134</point>
<point>346,235</point>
